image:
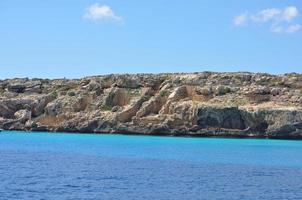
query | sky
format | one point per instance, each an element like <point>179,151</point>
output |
<point>77,38</point>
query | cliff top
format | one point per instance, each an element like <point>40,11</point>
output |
<point>205,103</point>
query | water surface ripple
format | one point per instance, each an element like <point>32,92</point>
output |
<point>76,166</point>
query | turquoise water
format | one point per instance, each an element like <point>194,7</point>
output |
<point>78,166</point>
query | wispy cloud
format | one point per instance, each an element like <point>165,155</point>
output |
<point>280,20</point>
<point>98,12</point>
<point>266,15</point>
<point>240,20</point>
<point>289,29</point>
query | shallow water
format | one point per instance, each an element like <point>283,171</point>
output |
<point>77,166</point>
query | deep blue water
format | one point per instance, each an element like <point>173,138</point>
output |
<point>76,166</point>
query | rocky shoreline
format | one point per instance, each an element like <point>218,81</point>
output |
<point>199,104</point>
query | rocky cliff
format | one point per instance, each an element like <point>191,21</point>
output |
<point>196,104</point>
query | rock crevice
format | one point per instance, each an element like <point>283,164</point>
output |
<point>193,104</point>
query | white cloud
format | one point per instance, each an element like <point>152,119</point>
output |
<point>293,28</point>
<point>266,15</point>
<point>286,29</point>
<point>290,13</point>
<point>240,20</point>
<point>280,20</point>
<point>101,12</point>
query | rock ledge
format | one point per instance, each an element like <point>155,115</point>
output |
<point>238,104</point>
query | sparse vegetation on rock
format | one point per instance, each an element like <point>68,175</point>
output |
<point>198,104</point>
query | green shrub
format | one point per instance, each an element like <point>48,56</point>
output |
<point>105,108</point>
<point>71,93</point>
<point>222,90</point>
<point>263,82</point>
<point>54,94</point>
<point>164,93</point>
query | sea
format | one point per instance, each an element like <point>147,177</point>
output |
<point>106,166</point>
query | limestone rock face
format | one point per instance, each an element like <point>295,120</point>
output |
<point>116,97</point>
<point>193,104</point>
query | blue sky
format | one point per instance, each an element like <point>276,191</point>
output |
<point>67,38</point>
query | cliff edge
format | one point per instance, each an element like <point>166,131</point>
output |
<point>195,104</point>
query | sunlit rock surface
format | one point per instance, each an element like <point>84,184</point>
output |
<point>197,104</point>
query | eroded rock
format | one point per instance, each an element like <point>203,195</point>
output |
<point>197,104</point>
